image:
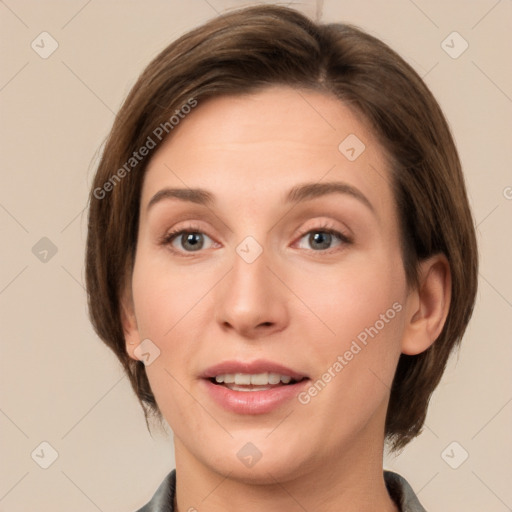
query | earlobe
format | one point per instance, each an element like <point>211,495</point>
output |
<point>129,323</point>
<point>428,305</point>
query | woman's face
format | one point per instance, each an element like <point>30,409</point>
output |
<point>280,276</point>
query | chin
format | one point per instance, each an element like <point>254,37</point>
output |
<point>261,461</point>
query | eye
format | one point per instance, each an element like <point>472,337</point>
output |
<point>187,240</point>
<point>322,239</point>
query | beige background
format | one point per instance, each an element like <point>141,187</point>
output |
<point>59,384</point>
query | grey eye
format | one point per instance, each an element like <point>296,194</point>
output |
<point>190,241</point>
<point>320,240</point>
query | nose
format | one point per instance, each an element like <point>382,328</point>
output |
<point>251,300</point>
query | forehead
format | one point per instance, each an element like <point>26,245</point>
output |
<point>262,144</point>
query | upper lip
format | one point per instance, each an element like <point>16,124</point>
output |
<point>251,367</point>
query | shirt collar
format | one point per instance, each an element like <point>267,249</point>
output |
<point>402,493</point>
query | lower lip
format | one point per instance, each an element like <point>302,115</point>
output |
<point>253,402</point>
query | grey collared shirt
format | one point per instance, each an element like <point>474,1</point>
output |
<point>398,488</point>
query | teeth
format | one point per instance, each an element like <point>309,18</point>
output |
<point>258,379</point>
<point>242,379</point>
<point>273,378</point>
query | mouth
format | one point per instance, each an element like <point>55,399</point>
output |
<point>256,387</point>
<point>254,382</point>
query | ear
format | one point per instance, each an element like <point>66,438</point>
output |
<point>129,323</point>
<point>428,305</point>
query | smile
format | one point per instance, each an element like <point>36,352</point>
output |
<point>252,382</point>
<point>256,387</point>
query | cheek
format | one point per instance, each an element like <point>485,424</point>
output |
<point>361,307</point>
<point>167,302</point>
<point>352,297</point>
<point>165,295</point>
<point>170,304</point>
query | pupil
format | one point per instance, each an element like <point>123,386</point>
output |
<point>193,241</point>
<point>324,239</point>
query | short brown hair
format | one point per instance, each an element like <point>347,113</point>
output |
<point>252,48</point>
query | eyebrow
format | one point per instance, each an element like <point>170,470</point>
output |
<point>193,195</point>
<point>308,191</point>
<point>297,194</point>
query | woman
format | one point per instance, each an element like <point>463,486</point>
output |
<point>282,255</point>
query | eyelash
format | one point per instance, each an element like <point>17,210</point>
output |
<point>168,238</point>
<point>329,229</point>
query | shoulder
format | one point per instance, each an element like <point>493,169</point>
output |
<point>400,490</point>
<point>163,499</point>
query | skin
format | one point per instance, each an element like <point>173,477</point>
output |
<point>296,304</point>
